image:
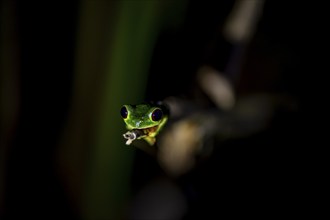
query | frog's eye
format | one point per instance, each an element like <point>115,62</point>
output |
<point>156,115</point>
<point>124,112</point>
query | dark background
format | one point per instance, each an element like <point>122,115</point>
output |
<point>268,172</point>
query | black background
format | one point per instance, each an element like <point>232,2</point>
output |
<point>277,169</point>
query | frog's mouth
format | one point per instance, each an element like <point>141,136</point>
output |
<point>139,133</point>
<point>148,131</point>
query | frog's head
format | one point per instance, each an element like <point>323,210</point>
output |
<point>143,117</point>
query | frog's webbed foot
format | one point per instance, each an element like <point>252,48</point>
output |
<point>132,135</point>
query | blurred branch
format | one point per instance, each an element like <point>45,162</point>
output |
<point>242,21</point>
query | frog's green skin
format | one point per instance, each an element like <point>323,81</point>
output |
<point>140,118</point>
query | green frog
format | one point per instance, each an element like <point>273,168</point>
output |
<point>144,121</point>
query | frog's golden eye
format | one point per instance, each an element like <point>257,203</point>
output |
<point>157,114</point>
<point>124,112</point>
